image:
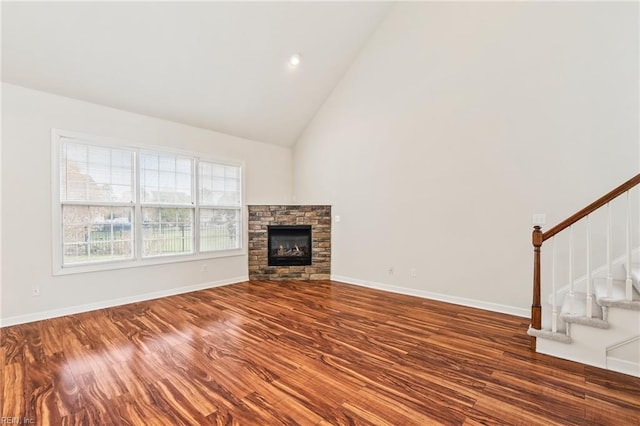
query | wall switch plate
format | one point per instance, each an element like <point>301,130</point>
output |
<point>539,218</point>
<point>337,218</point>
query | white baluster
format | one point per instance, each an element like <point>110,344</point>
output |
<point>589,306</point>
<point>609,252</point>
<point>628,282</point>
<point>571,272</point>
<point>554,305</point>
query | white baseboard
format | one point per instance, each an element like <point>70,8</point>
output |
<point>623,366</point>
<point>54,313</point>
<point>473,303</point>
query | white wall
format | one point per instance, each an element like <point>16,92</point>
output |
<point>28,117</point>
<point>455,124</point>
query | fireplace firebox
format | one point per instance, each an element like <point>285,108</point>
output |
<point>289,245</point>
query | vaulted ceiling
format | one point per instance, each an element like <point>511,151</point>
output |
<point>216,65</point>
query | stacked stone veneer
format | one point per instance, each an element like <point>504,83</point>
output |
<point>319,217</point>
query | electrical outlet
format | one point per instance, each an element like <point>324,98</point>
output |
<point>413,272</point>
<point>390,270</point>
<point>205,267</point>
<point>35,291</point>
<point>337,218</point>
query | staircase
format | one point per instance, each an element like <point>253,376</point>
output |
<point>595,318</point>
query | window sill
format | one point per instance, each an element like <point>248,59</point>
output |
<point>160,260</point>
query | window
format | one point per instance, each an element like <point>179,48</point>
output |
<point>96,196</point>
<point>120,206</point>
<point>167,200</point>
<point>219,195</point>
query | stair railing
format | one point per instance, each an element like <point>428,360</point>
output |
<point>539,237</point>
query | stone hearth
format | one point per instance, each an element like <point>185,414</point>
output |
<point>319,217</point>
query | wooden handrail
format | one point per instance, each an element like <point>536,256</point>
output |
<point>538,237</point>
<point>592,207</point>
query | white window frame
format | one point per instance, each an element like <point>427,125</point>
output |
<point>138,260</point>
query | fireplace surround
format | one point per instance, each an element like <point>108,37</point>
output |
<point>289,262</point>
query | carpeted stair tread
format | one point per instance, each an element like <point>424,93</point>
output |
<point>574,311</point>
<point>618,295</point>
<point>549,335</point>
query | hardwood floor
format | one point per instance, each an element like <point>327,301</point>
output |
<point>309,353</point>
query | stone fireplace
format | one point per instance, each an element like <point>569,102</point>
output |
<point>289,242</point>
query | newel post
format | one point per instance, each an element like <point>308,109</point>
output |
<point>536,309</point>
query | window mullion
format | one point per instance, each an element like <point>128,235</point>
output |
<point>195,191</point>
<point>96,203</point>
<point>167,206</point>
<point>137,242</point>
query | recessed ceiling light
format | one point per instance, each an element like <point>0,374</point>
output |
<point>294,60</point>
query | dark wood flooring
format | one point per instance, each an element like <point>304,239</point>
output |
<point>308,353</point>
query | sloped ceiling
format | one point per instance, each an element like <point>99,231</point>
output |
<point>216,65</point>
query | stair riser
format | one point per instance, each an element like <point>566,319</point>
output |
<point>589,345</point>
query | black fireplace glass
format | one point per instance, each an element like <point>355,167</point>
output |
<point>289,245</point>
